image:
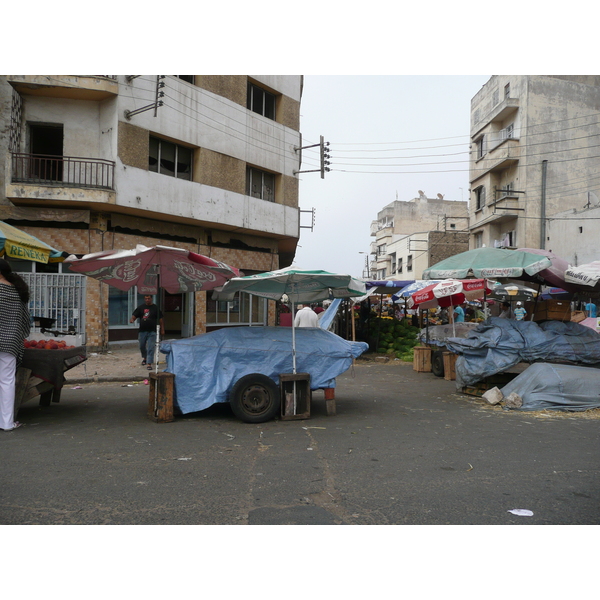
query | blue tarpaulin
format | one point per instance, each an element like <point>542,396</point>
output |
<point>207,366</point>
<point>498,344</point>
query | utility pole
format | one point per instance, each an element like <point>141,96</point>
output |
<point>324,157</point>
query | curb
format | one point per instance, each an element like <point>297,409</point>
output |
<point>106,379</point>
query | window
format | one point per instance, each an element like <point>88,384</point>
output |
<point>480,197</point>
<point>507,91</point>
<point>400,265</point>
<point>479,239</point>
<point>409,264</point>
<point>510,130</point>
<point>171,159</point>
<point>381,250</point>
<point>244,309</point>
<point>188,78</point>
<point>121,305</point>
<point>481,147</point>
<point>260,184</point>
<point>495,97</point>
<point>260,101</point>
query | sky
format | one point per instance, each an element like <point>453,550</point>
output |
<point>390,136</point>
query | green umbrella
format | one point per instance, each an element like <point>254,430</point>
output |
<point>486,263</point>
<point>298,285</point>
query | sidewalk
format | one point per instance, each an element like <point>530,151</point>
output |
<point>122,362</point>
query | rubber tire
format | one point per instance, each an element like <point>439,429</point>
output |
<point>255,398</point>
<point>437,363</point>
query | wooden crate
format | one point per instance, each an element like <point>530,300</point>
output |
<point>300,383</point>
<point>422,359</point>
<point>549,310</point>
<point>450,366</point>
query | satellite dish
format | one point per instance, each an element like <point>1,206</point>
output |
<point>440,196</point>
<point>421,193</point>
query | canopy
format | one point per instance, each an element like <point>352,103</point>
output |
<point>450,292</point>
<point>587,276</point>
<point>174,269</point>
<point>15,243</point>
<point>388,286</point>
<point>488,263</point>
<point>299,285</point>
<point>411,288</point>
<point>554,275</point>
<point>512,291</point>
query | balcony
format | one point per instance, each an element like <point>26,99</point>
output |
<point>63,171</point>
<point>80,87</point>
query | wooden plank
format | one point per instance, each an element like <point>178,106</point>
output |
<point>161,397</point>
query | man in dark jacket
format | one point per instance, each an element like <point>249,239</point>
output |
<point>149,315</point>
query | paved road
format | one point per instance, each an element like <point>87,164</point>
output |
<point>404,448</point>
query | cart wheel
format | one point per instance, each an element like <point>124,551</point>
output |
<point>437,363</point>
<point>255,398</point>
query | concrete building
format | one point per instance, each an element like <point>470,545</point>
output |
<point>413,235</point>
<point>534,164</point>
<point>199,162</point>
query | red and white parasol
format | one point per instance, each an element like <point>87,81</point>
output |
<point>450,292</point>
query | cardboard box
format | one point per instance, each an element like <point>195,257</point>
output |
<point>549,310</point>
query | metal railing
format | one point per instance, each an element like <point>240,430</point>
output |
<point>71,171</point>
<point>59,296</point>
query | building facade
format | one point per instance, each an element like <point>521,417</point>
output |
<point>199,162</point>
<point>410,236</point>
<point>534,164</point>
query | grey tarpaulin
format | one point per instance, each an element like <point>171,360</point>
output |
<point>498,344</point>
<point>438,334</point>
<point>545,386</point>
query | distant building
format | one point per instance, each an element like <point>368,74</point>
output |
<point>534,164</point>
<point>202,162</point>
<point>413,235</point>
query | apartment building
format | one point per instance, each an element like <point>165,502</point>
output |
<point>199,162</point>
<point>534,164</point>
<point>412,235</point>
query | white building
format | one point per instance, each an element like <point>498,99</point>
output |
<point>413,235</point>
<point>534,164</point>
<point>200,162</point>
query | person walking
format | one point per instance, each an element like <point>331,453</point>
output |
<point>519,312</point>
<point>306,317</point>
<point>15,325</point>
<point>149,315</point>
<point>505,314</point>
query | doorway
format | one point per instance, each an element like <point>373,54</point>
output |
<point>178,314</point>
<point>46,148</point>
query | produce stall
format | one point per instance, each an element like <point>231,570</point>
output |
<point>41,372</point>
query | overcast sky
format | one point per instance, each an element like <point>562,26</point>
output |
<point>390,136</point>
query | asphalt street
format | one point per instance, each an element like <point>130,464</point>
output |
<point>404,448</point>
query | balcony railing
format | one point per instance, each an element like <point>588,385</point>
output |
<point>70,171</point>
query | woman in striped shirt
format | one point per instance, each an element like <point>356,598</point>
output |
<point>14,328</point>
